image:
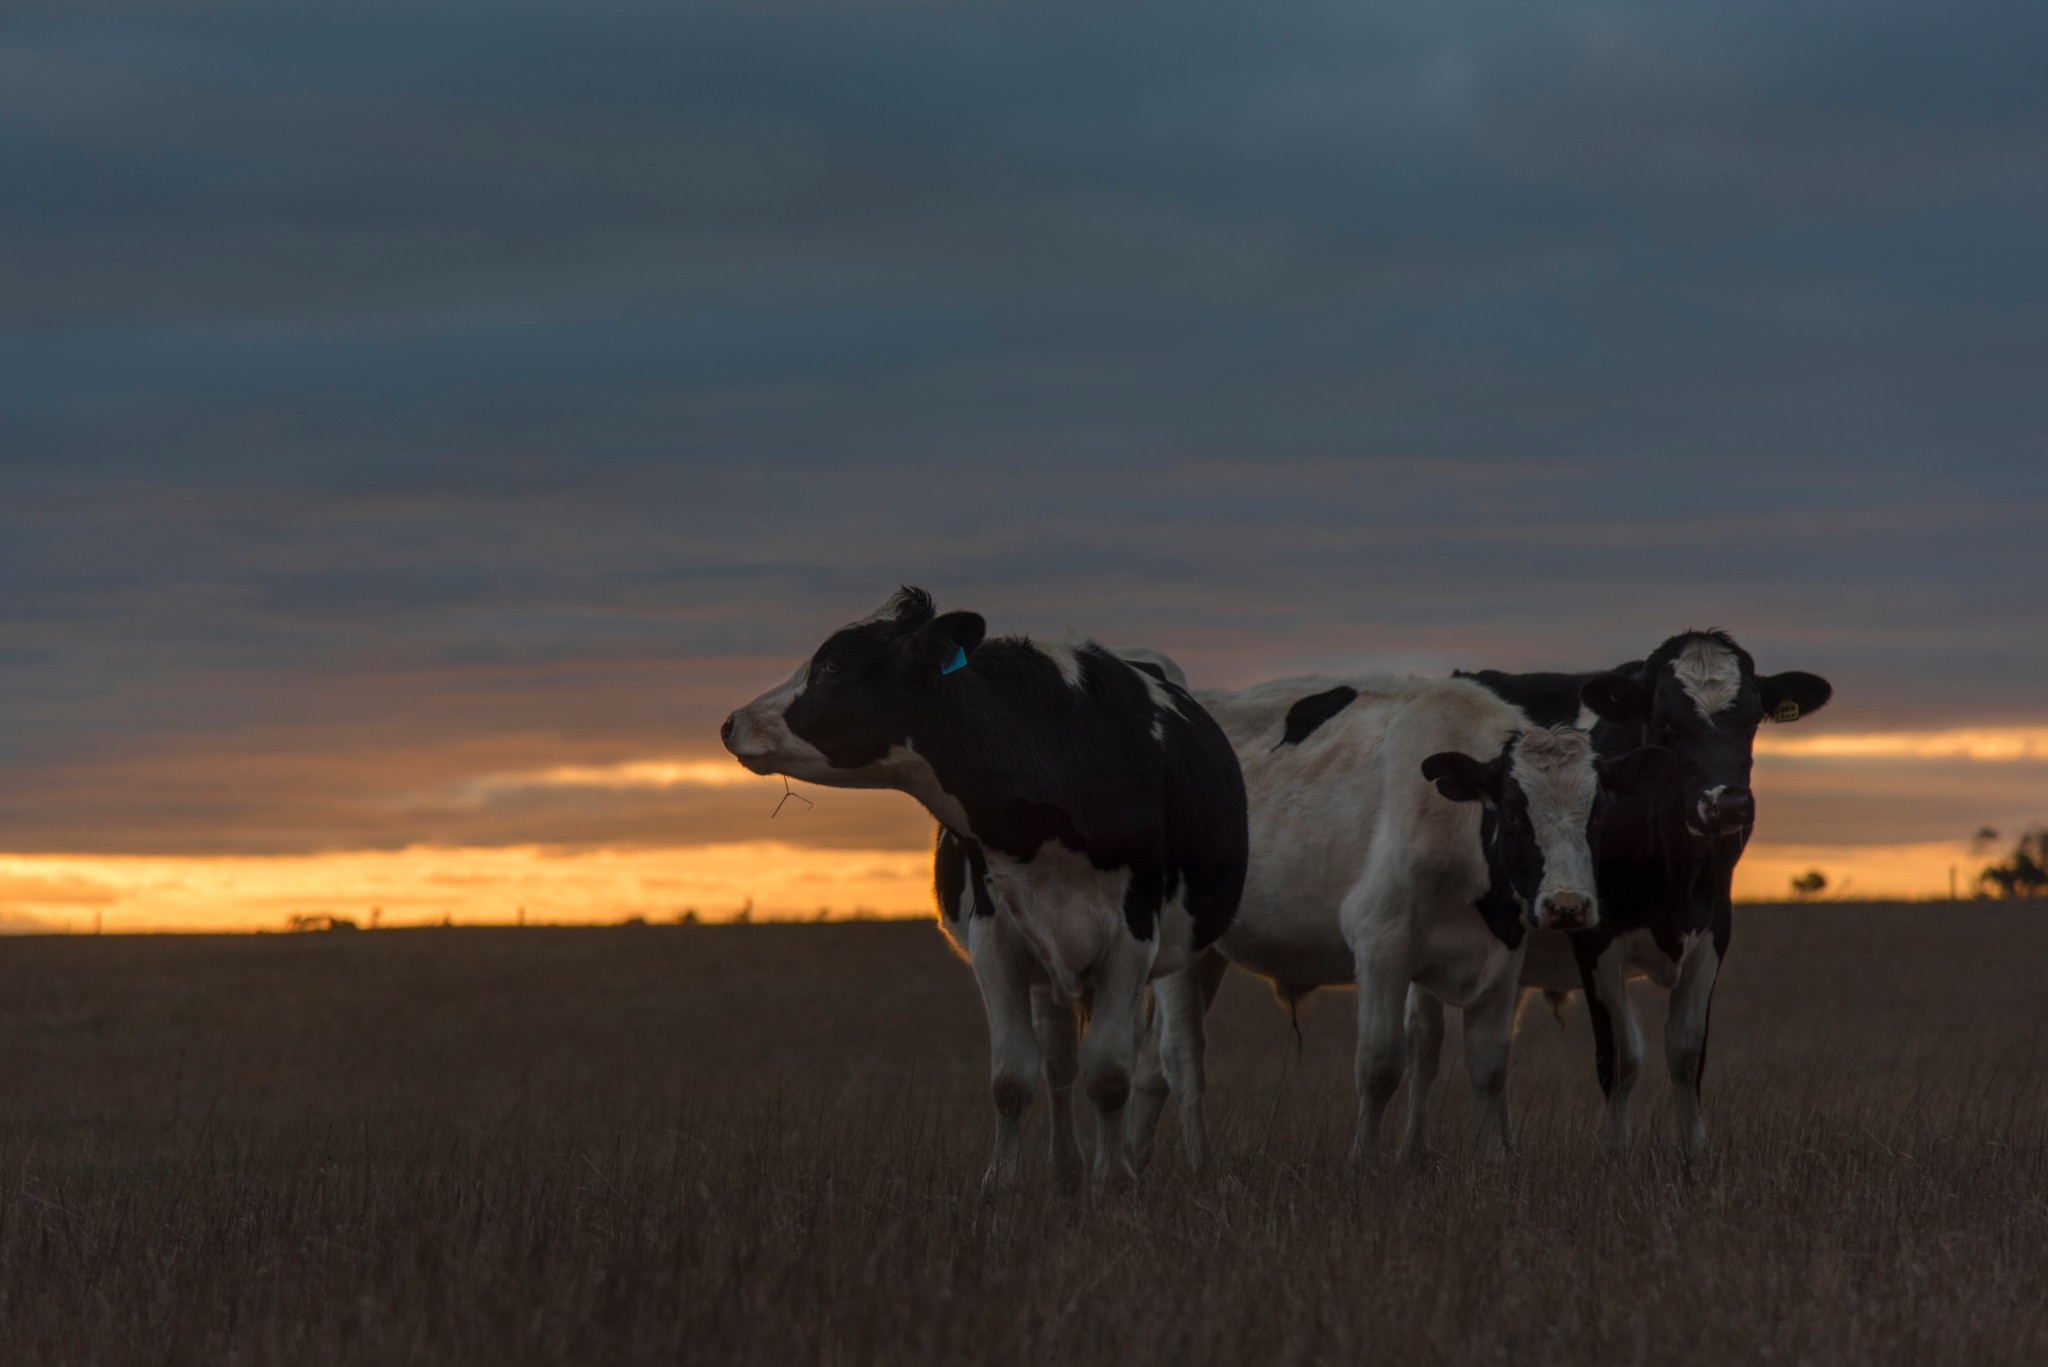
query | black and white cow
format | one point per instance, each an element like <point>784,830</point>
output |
<point>1403,832</point>
<point>1096,803</point>
<point>1667,864</point>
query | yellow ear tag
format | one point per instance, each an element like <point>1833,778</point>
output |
<point>1787,711</point>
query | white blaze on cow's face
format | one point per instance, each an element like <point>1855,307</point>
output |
<point>1564,786</point>
<point>1539,793</point>
<point>1712,714</point>
<point>1543,794</point>
<point>1699,694</point>
<point>1545,809</point>
<point>1689,697</point>
<point>1711,676</point>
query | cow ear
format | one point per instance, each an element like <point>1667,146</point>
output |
<point>1619,695</point>
<point>1791,695</point>
<point>1639,771</point>
<point>1460,777</point>
<point>943,644</point>
<point>963,629</point>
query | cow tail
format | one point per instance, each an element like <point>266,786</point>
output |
<point>1290,997</point>
<point>1557,1001</point>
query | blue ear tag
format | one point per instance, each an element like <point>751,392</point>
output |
<point>959,660</point>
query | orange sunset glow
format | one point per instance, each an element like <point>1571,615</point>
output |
<point>429,886</point>
<point>788,878</point>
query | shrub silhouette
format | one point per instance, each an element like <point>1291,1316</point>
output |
<point>2024,872</point>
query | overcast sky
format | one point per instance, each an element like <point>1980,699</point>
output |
<point>398,395</point>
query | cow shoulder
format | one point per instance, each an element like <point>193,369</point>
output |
<point>1071,752</point>
<point>1208,825</point>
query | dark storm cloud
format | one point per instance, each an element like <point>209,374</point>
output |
<point>423,377</point>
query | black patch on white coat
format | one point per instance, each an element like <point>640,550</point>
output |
<point>1507,841</point>
<point>1586,951</point>
<point>1547,699</point>
<point>949,876</point>
<point>1498,907</point>
<point>1030,757</point>
<point>1310,712</point>
<point>954,861</point>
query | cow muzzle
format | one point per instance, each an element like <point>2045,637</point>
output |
<point>1565,911</point>
<point>747,742</point>
<point>1723,811</point>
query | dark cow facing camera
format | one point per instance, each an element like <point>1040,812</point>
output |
<point>1700,696</point>
<point>1097,810</point>
<point>1666,868</point>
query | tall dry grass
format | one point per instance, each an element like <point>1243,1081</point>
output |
<point>763,1144</point>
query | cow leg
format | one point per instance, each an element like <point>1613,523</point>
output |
<point>1617,1041</point>
<point>1004,973</point>
<point>1382,1003</point>
<point>1425,1030</point>
<point>1149,1088</point>
<point>1184,1002</point>
<point>1685,1042</point>
<point>1489,1035</point>
<point>1109,1053</point>
<point>1052,1020</point>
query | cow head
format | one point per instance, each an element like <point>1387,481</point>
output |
<point>845,717</point>
<point>1543,794</point>
<point>1699,695</point>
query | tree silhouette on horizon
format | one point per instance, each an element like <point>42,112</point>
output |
<point>2024,872</point>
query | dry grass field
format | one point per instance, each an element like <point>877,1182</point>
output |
<point>763,1144</point>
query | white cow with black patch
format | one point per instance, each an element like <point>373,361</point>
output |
<point>1096,804</point>
<point>1403,832</point>
<point>1667,863</point>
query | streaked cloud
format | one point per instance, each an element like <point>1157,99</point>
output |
<point>423,422</point>
<point>1984,744</point>
<point>647,773</point>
